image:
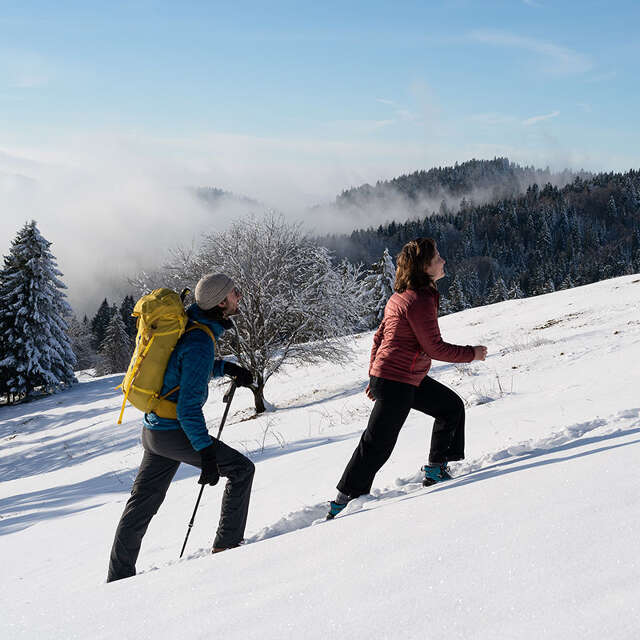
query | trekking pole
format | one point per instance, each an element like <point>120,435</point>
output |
<point>227,398</point>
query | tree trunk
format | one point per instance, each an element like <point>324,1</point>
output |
<point>258,396</point>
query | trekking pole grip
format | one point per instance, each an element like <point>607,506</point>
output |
<point>227,398</point>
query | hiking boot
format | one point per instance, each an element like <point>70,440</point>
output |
<point>445,472</point>
<point>219,549</point>
<point>335,508</point>
<point>435,473</point>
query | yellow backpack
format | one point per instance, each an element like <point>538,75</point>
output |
<point>161,321</point>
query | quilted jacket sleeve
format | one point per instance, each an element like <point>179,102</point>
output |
<point>423,320</point>
<point>218,368</point>
<point>377,339</point>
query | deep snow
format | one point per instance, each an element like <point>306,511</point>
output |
<point>537,535</point>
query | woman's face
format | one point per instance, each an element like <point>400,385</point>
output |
<point>436,267</point>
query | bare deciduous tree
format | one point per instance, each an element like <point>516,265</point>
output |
<point>296,305</point>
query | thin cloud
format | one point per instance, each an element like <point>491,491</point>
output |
<point>492,119</point>
<point>559,60</point>
<point>536,119</point>
<point>400,113</point>
<point>532,3</point>
<point>379,124</point>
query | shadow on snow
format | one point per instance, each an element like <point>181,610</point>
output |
<point>26,509</point>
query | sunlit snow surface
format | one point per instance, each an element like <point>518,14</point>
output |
<point>538,535</point>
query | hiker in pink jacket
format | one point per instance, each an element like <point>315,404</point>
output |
<point>403,346</point>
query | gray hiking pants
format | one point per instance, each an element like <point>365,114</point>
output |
<point>163,453</point>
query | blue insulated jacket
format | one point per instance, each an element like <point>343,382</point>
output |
<point>191,365</point>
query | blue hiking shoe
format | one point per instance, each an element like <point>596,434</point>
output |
<point>435,473</point>
<point>334,509</point>
<point>445,472</point>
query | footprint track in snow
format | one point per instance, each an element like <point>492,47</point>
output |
<point>315,514</point>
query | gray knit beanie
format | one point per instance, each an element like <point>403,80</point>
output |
<point>212,289</point>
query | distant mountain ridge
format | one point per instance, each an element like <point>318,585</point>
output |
<point>214,196</point>
<point>482,181</point>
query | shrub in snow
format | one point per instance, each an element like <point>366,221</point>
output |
<point>36,350</point>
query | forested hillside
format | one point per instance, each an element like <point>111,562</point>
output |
<point>545,239</point>
<point>480,180</point>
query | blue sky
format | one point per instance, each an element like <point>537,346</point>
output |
<point>291,102</point>
<point>464,75</point>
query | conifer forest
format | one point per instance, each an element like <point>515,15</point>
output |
<point>544,239</point>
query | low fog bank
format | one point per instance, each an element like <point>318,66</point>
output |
<point>108,216</point>
<point>114,206</point>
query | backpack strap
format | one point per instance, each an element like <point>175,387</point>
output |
<point>199,325</point>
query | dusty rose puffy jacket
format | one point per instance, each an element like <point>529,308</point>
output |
<point>408,338</point>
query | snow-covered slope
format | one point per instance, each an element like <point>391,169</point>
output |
<point>538,536</point>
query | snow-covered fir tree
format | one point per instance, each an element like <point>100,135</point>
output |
<point>567,282</point>
<point>81,339</point>
<point>547,287</point>
<point>35,347</point>
<point>445,306</point>
<point>126,309</point>
<point>470,286</point>
<point>100,323</point>
<point>635,250</point>
<point>456,297</point>
<point>115,351</point>
<point>498,292</point>
<point>378,288</point>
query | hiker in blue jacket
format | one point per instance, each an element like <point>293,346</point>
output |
<point>168,442</point>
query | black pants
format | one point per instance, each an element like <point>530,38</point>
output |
<point>394,400</point>
<point>163,453</point>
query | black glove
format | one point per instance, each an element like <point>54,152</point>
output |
<point>243,376</point>
<point>210,474</point>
